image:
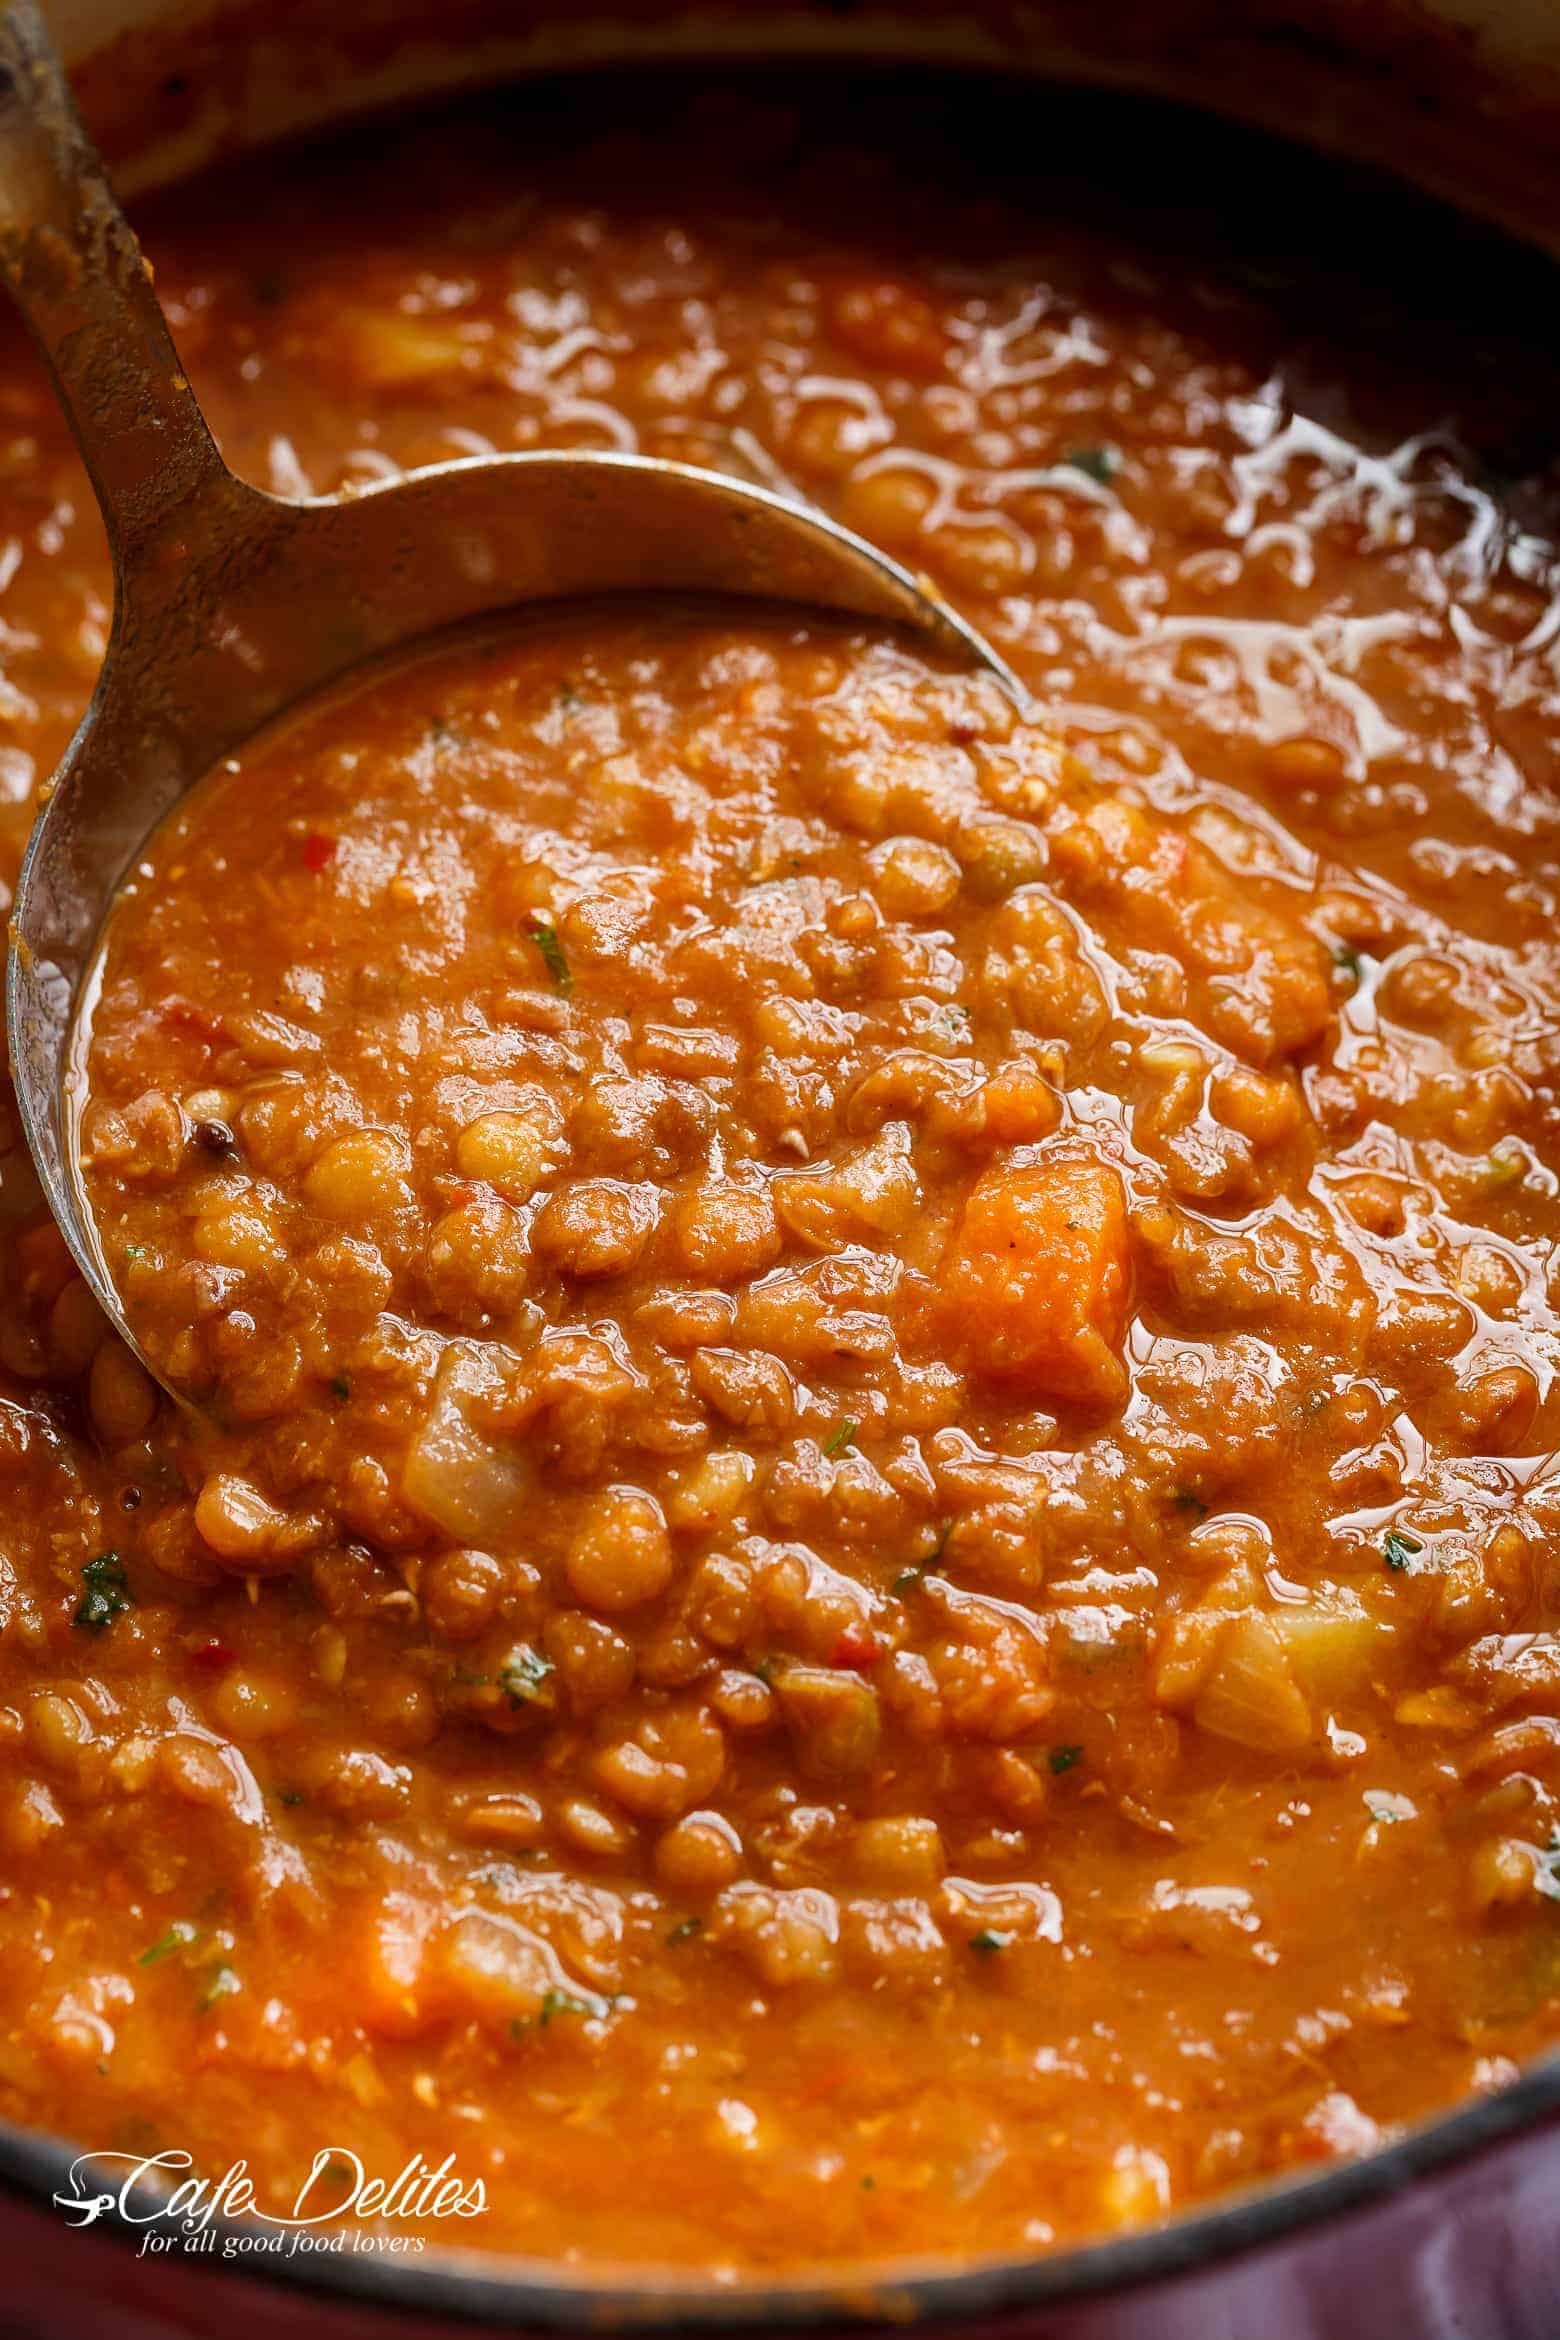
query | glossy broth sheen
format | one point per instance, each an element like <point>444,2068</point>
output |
<point>874,1569</point>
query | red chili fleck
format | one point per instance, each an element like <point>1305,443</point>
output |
<point>318,850</point>
<point>213,1655</point>
<point>856,1647</point>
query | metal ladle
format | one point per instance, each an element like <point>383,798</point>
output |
<point>230,604</point>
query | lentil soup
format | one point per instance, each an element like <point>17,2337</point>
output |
<point>870,1560</point>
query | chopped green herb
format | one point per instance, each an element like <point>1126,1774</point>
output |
<point>766,1667</point>
<point>1398,1549</point>
<point>340,1387</point>
<point>568,701</point>
<point>1188,1499</point>
<point>178,1937</point>
<point>844,1435</point>
<point>588,2003</point>
<point>523,1675</point>
<point>1100,463</point>
<point>134,1251</point>
<point>106,1594</point>
<point>546,940</point>
<point>1063,1759</point>
<point>220,1983</point>
<point>1350,960</point>
<point>988,1941</point>
<point>869,2184</point>
<point>909,1578</point>
<point>289,1797</point>
<point>685,1930</point>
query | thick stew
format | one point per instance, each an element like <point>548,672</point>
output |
<point>867,1560</point>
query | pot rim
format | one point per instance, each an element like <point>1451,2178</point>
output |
<point>520,2294</point>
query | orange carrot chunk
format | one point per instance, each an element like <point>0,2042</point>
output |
<point>1035,1279</point>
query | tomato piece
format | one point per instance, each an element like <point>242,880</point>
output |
<point>857,1648</point>
<point>214,1657</point>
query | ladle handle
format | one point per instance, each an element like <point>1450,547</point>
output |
<point>71,259</point>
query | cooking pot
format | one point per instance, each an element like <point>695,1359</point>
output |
<point>1452,2232</point>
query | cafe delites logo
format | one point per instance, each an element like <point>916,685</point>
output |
<point>340,2208</point>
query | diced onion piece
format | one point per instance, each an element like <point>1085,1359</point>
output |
<point>1332,1646</point>
<point>874,1192</point>
<point>1251,1696</point>
<point>497,1971</point>
<point>456,1475</point>
<point>833,1719</point>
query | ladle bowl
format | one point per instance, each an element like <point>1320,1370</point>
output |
<point>231,605</point>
